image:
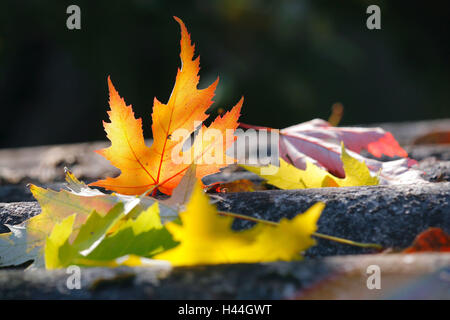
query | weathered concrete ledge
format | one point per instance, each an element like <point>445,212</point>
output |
<point>44,164</point>
<point>434,171</point>
<point>408,131</point>
<point>333,277</point>
<point>388,215</point>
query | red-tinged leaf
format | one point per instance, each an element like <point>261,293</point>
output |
<point>375,140</point>
<point>432,239</point>
<point>327,156</point>
<point>318,142</point>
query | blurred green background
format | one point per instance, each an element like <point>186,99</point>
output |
<point>290,59</point>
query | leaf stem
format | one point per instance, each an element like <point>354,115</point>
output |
<point>315,234</point>
<point>244,217</point>
<point>349,242</point>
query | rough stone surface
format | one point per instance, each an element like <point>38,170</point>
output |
<point>424,152</point>
<point>407,132</point>
<point>46,164</point>
<point>435,171</point>
<point>21,192</point>
<point>388,215</point>
<point>17,212</point>
<point>279,280</point>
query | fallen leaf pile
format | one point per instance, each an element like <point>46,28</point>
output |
<point>132,226</point>
<point>289,177</point>
<point>130,231</point>
<point>318,142</point>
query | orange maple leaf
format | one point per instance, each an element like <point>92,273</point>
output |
<point>142,167</point>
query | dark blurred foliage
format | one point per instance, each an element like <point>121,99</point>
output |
<point>290,59</point>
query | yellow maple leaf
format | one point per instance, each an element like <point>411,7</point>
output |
<point>207,238</point>
<point>287,176</point>
<point>356,173</point>
<point>142,167</point>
